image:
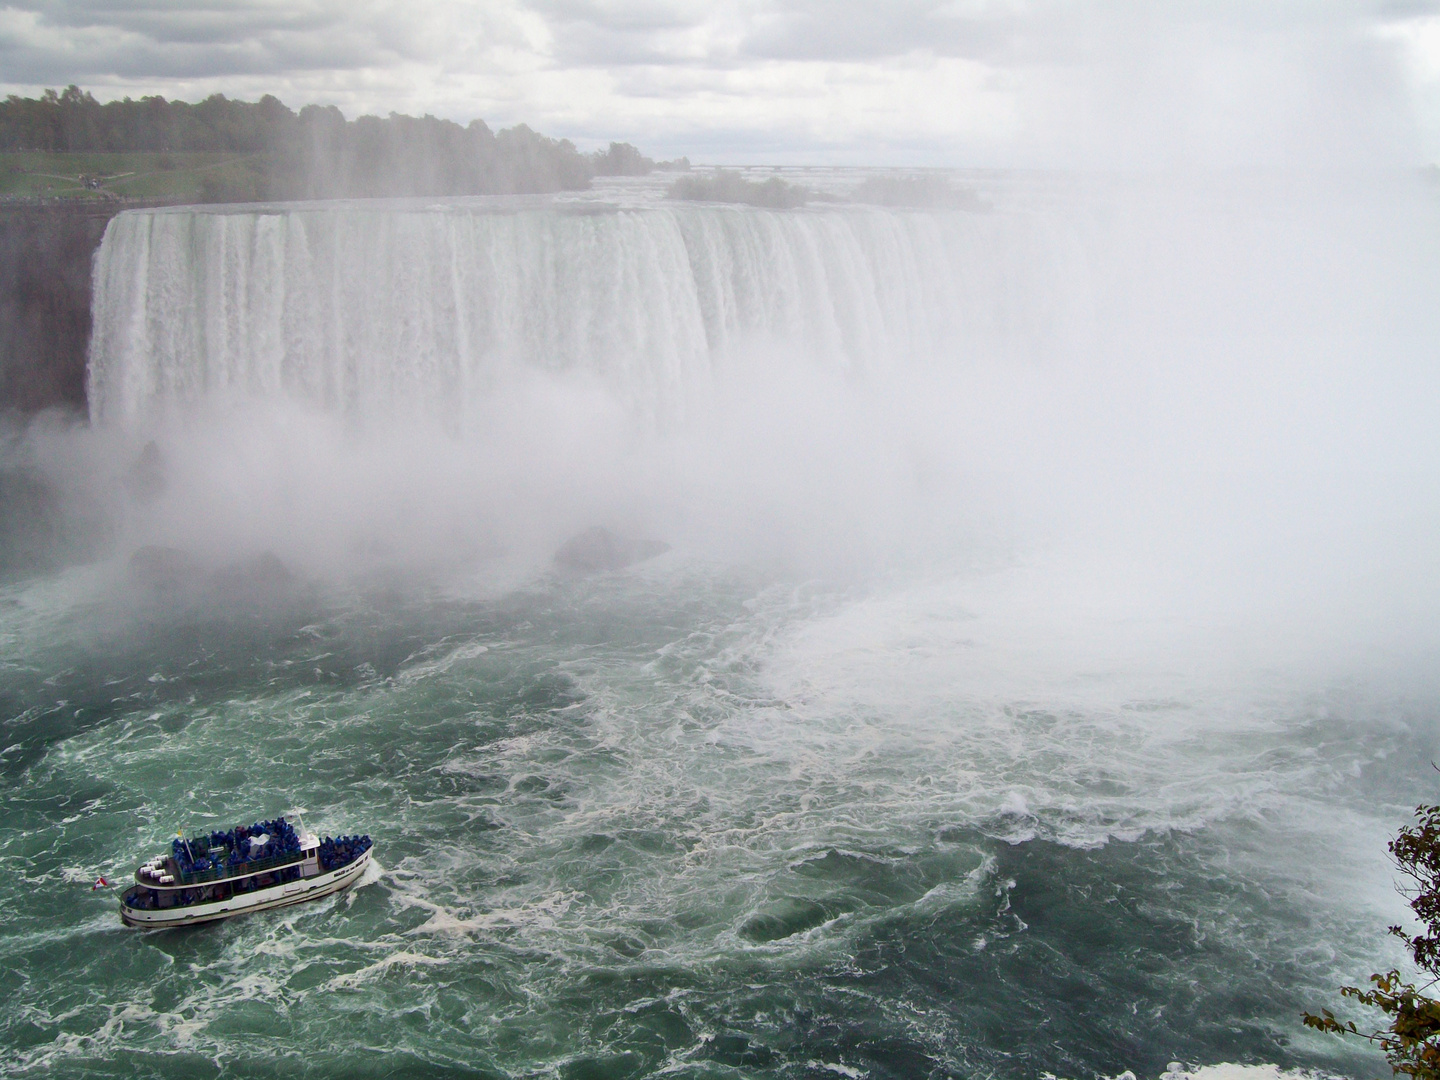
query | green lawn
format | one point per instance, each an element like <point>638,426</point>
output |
<point>182,177</point>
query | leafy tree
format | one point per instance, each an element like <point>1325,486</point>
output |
<point>621,159</point>
<point>1412,1041</point>
<point>316,154</point>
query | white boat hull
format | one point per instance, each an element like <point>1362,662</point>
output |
<point>273,896</point>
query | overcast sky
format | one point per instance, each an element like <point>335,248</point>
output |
<point>1149,83</point>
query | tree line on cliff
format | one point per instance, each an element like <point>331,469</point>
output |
<point>315,153</point>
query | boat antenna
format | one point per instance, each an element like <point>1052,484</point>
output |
<point>181,834</point>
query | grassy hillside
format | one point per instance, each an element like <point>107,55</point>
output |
<point>182,177</point>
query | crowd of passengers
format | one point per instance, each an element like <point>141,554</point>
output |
<point>342,851</point>
<point>262,840</point>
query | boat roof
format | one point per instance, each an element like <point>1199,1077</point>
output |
<point>308,842</point>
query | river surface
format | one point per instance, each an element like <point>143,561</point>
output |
<point>667,821</point>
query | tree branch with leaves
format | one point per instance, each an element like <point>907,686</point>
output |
<point>1412,1041</point>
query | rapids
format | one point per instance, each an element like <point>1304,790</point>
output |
<point>1039,663</point>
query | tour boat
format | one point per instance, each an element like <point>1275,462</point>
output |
<point>265,865</point>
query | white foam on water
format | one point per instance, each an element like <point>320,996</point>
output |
<point>1232,1071</point>
<point>1227,1071</point>
<point>427,668</point>
<point>543,914</point>
<point>354,979</point>
<point>839,1069</point>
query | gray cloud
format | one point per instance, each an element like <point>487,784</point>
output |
<point>73,41</point>
<point>590,32</point>
<point>193,23</point>
<point>1124,80</point>
<point>1003,32</point>
<point>857,30</point>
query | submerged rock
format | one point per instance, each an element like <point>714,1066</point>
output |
<point>600,549</point>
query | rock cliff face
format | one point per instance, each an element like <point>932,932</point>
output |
<point>45,260</point>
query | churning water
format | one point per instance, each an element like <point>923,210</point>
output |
<point>1037,669</point>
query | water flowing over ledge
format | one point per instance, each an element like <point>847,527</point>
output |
<point>356,308</point>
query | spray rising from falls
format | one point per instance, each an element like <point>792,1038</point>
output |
<point>358,310</point>
<point>1212,398</point>
<point>1225,387</point>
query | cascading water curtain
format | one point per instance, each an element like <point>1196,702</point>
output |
<point>359,310</point>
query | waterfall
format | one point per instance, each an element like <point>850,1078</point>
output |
<point>359,308</point>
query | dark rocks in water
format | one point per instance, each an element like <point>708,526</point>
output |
<point>600,549</point>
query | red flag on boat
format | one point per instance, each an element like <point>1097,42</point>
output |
<point>100,883</point>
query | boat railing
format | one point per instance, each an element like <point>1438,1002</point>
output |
<point>244,869</point>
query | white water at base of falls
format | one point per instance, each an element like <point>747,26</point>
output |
<point>360,309</point>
